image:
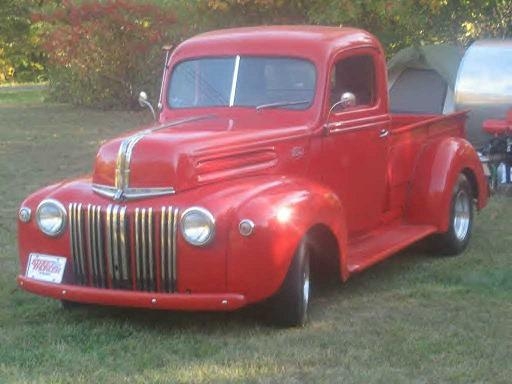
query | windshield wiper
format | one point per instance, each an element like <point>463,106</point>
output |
<point>281,104</point>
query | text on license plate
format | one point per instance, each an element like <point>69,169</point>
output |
<point>46,267</point>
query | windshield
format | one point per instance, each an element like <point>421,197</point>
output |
<point>261,82</point>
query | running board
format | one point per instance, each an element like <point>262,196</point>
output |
<point>376,246</point>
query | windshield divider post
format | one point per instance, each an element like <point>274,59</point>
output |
<point>234,82</point>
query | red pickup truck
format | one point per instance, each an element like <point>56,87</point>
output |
<point>274,152</point>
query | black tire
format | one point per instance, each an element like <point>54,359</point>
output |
<point>456,239</point>
<point>289,307</point>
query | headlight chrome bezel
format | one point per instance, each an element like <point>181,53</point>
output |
<point>63,215</point>
<point>209,220</point>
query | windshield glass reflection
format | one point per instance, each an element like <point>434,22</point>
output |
<point>243,81</point>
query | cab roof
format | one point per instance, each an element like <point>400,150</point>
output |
<point>315,43</point>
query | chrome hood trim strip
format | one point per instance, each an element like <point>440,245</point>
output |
<point>122,173</point>
<point>131,193</point>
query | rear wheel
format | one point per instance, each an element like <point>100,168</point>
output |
<point>456,239</point>
<point>290,305</point>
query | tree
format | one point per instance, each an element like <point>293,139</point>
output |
<point>20,58</point>
<point>253,12</point>
<point>101,53</point>
<point>397,23</point>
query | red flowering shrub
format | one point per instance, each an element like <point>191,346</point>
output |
<point>102,53</point>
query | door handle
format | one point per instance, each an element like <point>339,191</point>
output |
<point>384,133</point>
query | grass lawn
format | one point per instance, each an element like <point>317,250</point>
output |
<point>412,319</point>
<point>10,95</point>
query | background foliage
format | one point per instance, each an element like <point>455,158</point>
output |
<point>397,23</point>
<point>102,52</point>
<point>20,57</point>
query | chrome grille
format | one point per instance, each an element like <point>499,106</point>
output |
<point>118,259</point>
<point>168,228</point>
<point>77,242</point>
<point>95,236</point>
<point>144,249</point>
<point>112,248</point>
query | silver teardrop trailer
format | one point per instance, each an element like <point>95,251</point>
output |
<point>484,85</point>
<point>444,78</point>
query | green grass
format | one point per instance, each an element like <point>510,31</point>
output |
<point>30,93</point>
<point>412,319</point>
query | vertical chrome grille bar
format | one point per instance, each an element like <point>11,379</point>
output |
<point>76,236</point>
<point>81,246</point>
<point>115,244</point>
<point>173,250</point>
<point>150,253</point>
<point>168,255</point>
<point>170,224</point>
<point>123,235</point>
<point>91,236</point>
<point>168,248</point>
<point>99,278</point>
<point>144,250</point>
<point>163,249</point>
<point>77,245</point>
<point>95,241</point>
<point>110,263</point>
<point>100,252</point>
<point>138,261</point>
<point>72,237</point>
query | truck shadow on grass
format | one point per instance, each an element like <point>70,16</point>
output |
<point>395,273</point>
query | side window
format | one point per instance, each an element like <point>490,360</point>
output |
<point>355,74</point>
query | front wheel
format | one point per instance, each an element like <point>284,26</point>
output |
<point>456,239</point>
<point>290,305</point>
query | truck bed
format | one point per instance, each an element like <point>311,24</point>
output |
<point>406,122</point>
<point>409,136</point>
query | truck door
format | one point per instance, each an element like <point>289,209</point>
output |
<point>355,146</point>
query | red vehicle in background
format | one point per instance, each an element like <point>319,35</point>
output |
<point>274,152</point>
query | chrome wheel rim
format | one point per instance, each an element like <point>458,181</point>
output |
<point>461,215</point>
<point>305,286</point>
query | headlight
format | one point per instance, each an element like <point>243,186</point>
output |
<point>197,226</point>
<point>51,217</point>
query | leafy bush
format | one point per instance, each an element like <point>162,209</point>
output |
<point>102,53</point>
<point>20,58</point>
<point>396,23</point>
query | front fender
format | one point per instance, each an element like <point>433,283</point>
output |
<point>282,214</point>
<point>29,234</point>
<point>434,178</point>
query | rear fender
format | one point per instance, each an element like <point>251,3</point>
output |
<point>434,178</point>
<point>282,215</point>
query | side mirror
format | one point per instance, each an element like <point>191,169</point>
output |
<point>347,99</point>
<point>143,102</point>
<point>143,98</point>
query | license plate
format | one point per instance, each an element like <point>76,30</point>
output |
<point>46,267</point>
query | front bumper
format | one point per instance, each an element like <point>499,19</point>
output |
<point>135,299</point>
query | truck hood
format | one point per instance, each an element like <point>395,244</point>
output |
<point>181,154</point>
